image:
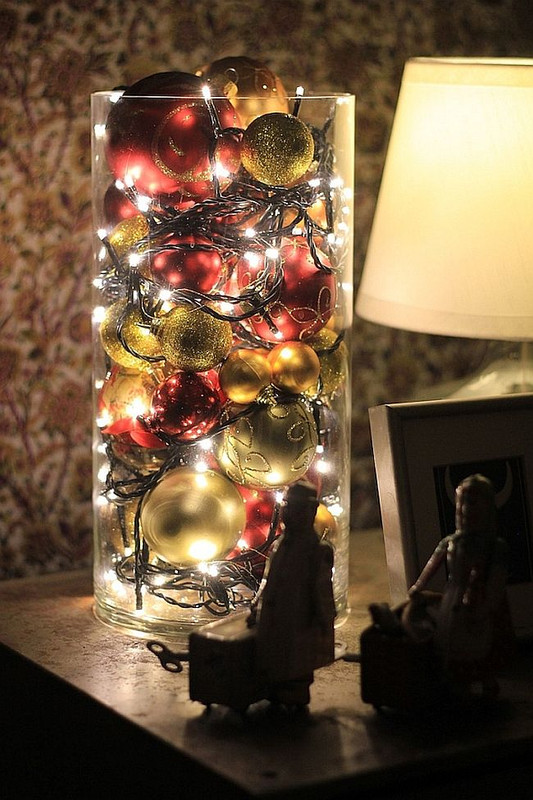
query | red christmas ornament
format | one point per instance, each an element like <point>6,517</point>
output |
<point>132,431</point>
<point>117,206</point>
<point>186,405</point>
<point>307,294</point>
<point>160,135</point>
<point>187,262</point>
<point>259,506</point>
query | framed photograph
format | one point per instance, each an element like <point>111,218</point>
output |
<point>422,451</point>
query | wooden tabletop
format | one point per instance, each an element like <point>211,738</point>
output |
<point>90,712</point>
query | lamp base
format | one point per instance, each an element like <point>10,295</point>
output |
<point>506,369</point>
<point>510,373</point>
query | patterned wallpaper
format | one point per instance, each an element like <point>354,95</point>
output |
<point>54,53</point>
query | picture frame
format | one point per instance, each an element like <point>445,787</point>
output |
<point>422,450</point>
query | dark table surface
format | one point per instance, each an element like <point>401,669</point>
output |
<point>87,711</point>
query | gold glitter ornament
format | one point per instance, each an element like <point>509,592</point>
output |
<point>127,233</point>
<point>134,332</point>
<point>333,365</point>
<point>295,367</point>
<point>277,149</point>
<point>193,340</point>
<point>191,517</point>
<point>244,374</point>
<point>271,447</point>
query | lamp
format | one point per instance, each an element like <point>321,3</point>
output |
<point>451,247</point>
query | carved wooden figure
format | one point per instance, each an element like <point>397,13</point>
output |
<point>472,615</point>
<point>436,646</point>
<point>272,651</point>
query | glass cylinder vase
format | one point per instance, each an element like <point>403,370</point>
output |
<point>222,316</point>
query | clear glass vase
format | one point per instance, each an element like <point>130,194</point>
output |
<point>222,316</point>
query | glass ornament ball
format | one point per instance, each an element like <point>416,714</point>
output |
<point>185,405</point>
<point>244,374</point>
<point>251,87</point>
<point>140,457</point>
<point>127,233</point>
<point>295,367</point>
<point>271,447</point>
<point>193,340</point>
<point>187,262</point>
<point>277,149</point>
<point>124,397</point>
<point>124,394</point>
<point>117,206</point>
<point>191,517</point>
<point>252,545</point>
<point>160,137</point>
<point>333,359</point>
<point>259,505</point>
<point>120,321</point>
<point>307,294</point>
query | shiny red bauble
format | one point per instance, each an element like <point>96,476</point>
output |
<point>160,136</point>
<point>307,294</point>
<point>187,405</point>
<point>117,206</point>
<point>187,262</point>
<point>259,506</point>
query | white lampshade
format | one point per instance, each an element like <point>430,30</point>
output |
<point>451,248</point>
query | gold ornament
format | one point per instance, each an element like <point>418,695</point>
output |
<point>136,334</point>
<point>333,365</point>
<point>127,233</point>
<point>191,517</point>
<point>250,86</point>
<point>325,524</point>
<point>271,447</point>
<point>277,149</point>
<point>244,374</point>
<point>295,367</point>
<point>193,340</point>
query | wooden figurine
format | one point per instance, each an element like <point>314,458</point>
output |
<point>294,611</point>
<point>472,616</point>
<point>436,646</point>
<point>272,651</point>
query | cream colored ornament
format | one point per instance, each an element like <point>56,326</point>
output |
<point>271,447</point>
<point>192,517</point>
<point>250,86</point>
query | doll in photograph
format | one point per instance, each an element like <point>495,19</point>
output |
<point>472,622</point>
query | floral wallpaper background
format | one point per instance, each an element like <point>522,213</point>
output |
<point>54,53</point>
